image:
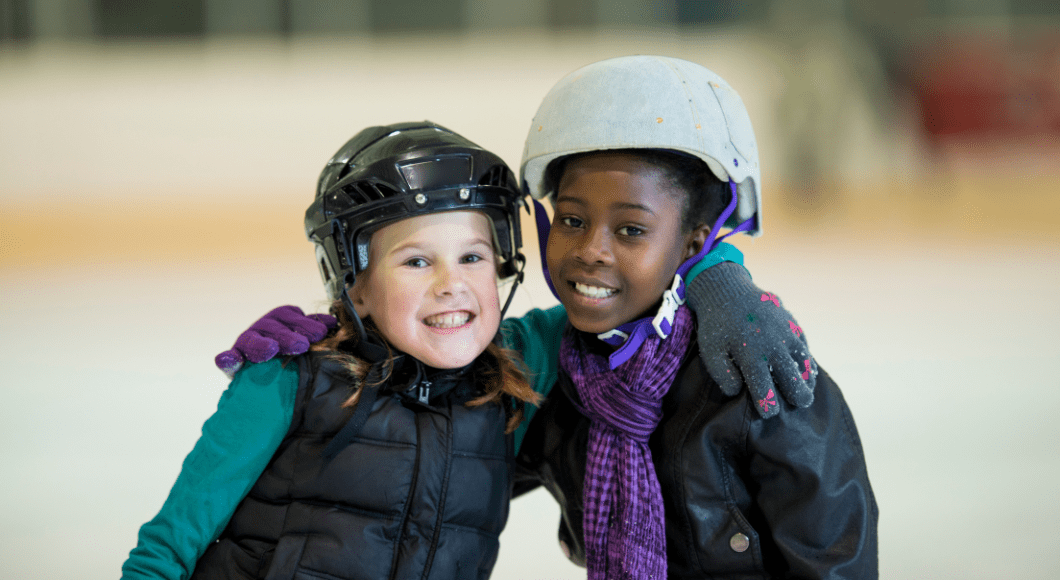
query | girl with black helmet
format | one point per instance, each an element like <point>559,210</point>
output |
<point>384,452</point>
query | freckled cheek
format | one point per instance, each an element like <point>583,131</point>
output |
<point>401,305</point>
<point>491,307</point>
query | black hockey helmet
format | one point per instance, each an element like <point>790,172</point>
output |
<point>384,174</point>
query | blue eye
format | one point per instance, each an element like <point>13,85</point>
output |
<point>630,231</point>
<point>416,263</point>
<point>471,259</point>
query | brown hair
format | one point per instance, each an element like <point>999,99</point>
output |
<point>501,372</point>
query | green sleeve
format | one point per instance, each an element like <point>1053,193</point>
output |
<point>237,442</point>
<point>536,336</point>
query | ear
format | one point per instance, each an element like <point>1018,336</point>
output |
<point>357,296</point>
<point>696,239</point>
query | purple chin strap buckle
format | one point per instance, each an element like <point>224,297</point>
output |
<point>629,336</point>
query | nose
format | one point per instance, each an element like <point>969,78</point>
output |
<point>448,280</point>
<point>594,247</point>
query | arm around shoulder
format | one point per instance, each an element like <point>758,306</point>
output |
<point>237,442</point>
<point>536,337</point>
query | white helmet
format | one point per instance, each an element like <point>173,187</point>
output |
<point>648,102</point>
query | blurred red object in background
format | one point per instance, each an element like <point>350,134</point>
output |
<point>980,88</point>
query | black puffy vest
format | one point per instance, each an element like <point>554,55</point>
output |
<point>422,492</point>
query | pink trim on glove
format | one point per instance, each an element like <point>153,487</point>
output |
<point>767,401</point>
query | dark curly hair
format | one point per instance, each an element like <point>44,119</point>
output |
<point>703,195</point>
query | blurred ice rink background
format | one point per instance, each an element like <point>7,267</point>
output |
<point>156,161</point>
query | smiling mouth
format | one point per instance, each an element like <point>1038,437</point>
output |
<point>448,319</point>
<point>592,291</point>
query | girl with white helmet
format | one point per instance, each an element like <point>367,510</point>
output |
<point>660,471</point>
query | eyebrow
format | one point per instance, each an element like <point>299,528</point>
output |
<point>416,246</point>
<point>580,201</point>
<point>483,242</point>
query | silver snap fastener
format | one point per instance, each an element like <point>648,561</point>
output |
<point>739,542</point>
<point>421,199</point>
<point>465,193</point>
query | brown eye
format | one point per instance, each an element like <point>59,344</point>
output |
<point>630,231</point>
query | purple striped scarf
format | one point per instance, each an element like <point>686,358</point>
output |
<point>624,522</point>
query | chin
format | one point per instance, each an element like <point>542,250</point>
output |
<point>593,326</point>
<point>448,363</point>
<point>590,329</point>
<point>447,360</point>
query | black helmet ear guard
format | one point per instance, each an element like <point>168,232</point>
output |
<point>389,173</point>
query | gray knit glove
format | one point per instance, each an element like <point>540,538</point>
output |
<point>747,337</point>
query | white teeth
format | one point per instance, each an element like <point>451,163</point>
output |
<point>593,291</point>
<point>447,320</point>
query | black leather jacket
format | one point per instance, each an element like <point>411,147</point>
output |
<point>745,497</point>
<point>421,491</point>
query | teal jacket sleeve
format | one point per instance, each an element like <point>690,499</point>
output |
<point>722,253</point>
<point>536,336</point>
<point>237,442</point>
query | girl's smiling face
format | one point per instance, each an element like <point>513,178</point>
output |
<point>616,239</point>
<point>431,287</point>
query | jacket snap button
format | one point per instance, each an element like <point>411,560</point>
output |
<point>739,542</point>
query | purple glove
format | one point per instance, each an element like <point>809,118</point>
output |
<point>284,330</point>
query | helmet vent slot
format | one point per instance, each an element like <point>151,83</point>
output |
<point>365,191</point>
<point>497,176</point>
<point>324,271</point>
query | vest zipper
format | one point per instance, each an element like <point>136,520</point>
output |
<point>408,505</point>
<point>420,385</point>
<point>445,489</point>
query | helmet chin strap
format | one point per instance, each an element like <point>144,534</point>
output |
<point>543,228</point>
<point>713,240</point>
<point>371,350</point>
<point>348,303</point>
<point>515,283</point>
<point>630,336</point>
